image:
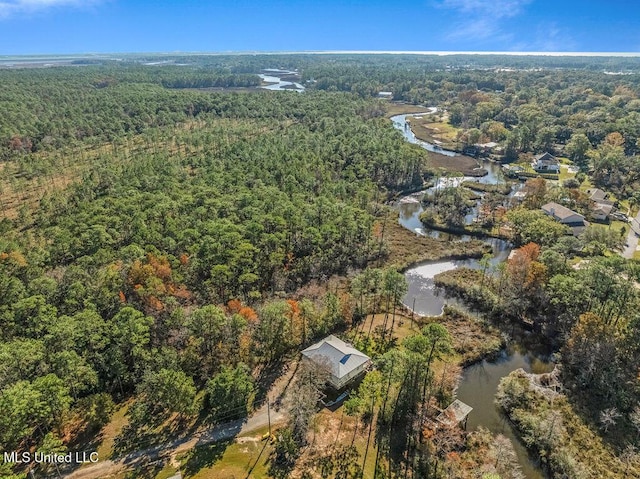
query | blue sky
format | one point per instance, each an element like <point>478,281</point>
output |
<point>79,26</point>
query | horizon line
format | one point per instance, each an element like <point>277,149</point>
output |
<point>340,52</point>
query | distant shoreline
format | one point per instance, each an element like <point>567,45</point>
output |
<point>96,55</point>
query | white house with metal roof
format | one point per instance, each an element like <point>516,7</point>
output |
<point>546,163</point>
<point>345,362</point>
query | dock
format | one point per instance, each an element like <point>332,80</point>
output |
<point>456,413</point>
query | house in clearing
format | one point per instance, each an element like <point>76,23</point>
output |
<point>602,206</point>
<point>545,163</point>
<point>599,196</point>
<point>345,362</point>
<point>566,216</point>
<point>601,211</point>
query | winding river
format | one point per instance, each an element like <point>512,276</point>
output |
<point>274,76</point>
<point>479,383</point>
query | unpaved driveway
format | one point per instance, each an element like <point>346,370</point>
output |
<point>241,427</point>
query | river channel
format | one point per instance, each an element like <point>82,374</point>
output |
<point>273,77</point>
<point>479,383</point>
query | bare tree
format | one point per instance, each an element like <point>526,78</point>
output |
<point>634,417</point>
<point>303,401</point>
<point>609,417</point>
<point>506,461</point>
<point>629,457</point>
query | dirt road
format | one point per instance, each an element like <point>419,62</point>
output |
<point>239,428</point>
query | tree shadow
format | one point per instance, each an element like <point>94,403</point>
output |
<point>149,432</point>
<point>255,463</point>
<point>268,376</point>
<point>205,456</point>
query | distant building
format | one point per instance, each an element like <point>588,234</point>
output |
<point>385,94</point>
<point>601,212</point>
<point>602,206</point>
<point>519,196</point>
<point>597,195</point>
<point>545,163</point>
<point>345,362</point>
<point>566,216</point>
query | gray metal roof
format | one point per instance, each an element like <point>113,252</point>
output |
<point>341,357</point>
<point>546,156</point>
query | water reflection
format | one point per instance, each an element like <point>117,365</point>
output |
<point>479,383</point>
<point>478,388</point>
<point>274,76</point>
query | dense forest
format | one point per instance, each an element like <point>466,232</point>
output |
<point>170,233</point>
<point>179,202</point>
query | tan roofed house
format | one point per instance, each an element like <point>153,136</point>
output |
<point>345,362</point>
<point>601,211</point>
<point>562,214</point>
<point>566,216</point>
<point>597,195</point>
<point>602,206</point>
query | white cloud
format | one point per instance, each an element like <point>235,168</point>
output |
<point>548,37</point>
<point>487,8</point>
<point>482,19</point>
<point>10,8</point>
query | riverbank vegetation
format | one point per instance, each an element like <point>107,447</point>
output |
<point>466,209</point>
<point>459,164</point>
<point>405,248</point>
<point>568,446</point>
<point>430,129</point>
<point>589,314</point>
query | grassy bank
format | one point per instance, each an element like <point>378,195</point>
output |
<point>471,285</point>
<point>436,132</point>
<point>473,339</point>
<point>470,230</point>
<point>465,165</point>
<point>502,188</point>
<point>404,248</point>
<point>393,109</point>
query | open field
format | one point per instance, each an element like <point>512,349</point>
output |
<point>404,325</point>
<point>244,457</point>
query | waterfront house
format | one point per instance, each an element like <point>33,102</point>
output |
<point>545,163</point>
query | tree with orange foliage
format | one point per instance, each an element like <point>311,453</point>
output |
<point>536,190</point>
<point>298,326</point>
<point>233,306</point>
<point>526,278</point>
<point>152,281</point>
